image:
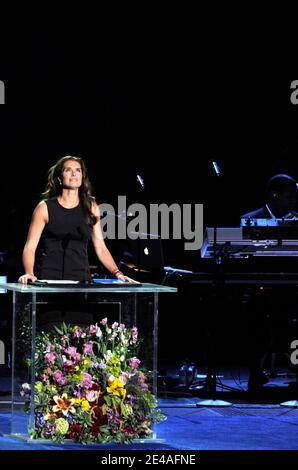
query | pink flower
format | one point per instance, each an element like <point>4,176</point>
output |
<point>78,333</point>
<point>68,363</point>
<point>123,377</point>
<point>134,362</point>
<point>50,357</point>
<point>92,329</point>
<point>92,395</point>
<point>134,334</point>
<point>72,351</point>
<point>87,348</point>
<point>59,377</point>
<point>104,321</point>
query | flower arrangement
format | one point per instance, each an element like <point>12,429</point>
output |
<point>89,386</point>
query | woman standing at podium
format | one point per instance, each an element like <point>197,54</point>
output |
<point>62,224</point>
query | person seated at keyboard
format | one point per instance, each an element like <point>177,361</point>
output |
<point>266,323</point>
<point>281,198</point>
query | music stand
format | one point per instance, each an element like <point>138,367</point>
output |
<point>210,384</point>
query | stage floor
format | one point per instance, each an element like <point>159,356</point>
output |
<point>248,423</point>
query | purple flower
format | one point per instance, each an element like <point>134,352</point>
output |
<point>70,418</point>
<point>77,393</point>
<point>131,399</point>
<point>100,365</point>
<point>87,380</point>
<point>49,430</point>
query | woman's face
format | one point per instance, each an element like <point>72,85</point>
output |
<point>72,176</point>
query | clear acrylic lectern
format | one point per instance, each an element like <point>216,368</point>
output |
<point>133,306</point>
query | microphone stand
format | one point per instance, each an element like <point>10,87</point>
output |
<point>210,384</point>
<point>64,244</point>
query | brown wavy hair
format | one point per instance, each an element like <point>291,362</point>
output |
<point>54,187</point>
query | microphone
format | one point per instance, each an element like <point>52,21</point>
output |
<point>216,169</point>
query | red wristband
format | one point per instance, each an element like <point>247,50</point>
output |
<point>115,271</point>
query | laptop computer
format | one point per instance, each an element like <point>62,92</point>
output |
<point>147,254</point>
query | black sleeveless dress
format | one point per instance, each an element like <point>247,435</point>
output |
<point>63,251</point>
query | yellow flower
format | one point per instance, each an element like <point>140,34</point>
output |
<point>63,404</point>
<point>39,387</point>
<point>116,388</point>
<point>85,405</point>
<point>87,363</point>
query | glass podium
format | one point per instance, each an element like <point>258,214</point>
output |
<point>37,308</point>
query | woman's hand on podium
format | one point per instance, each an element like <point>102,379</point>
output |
<point>124,278</point>
<point>27,277</point>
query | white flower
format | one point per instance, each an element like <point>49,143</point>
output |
<point>108,355</point>
<point>98,332</point>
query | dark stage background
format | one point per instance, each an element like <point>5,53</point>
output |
<point>164,109</point>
